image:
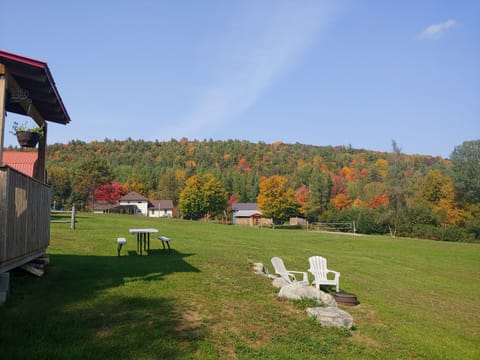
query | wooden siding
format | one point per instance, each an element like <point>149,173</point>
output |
<point>24,218</point>
<point>253,221</point>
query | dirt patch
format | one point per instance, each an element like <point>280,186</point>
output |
<point>363,315</point>
<point>103,333</point>
<point>365,340</point>
<point>190,320</point>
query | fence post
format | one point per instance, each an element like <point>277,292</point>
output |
<point>72,222</point>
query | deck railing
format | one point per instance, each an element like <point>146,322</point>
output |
<point>24,218</point>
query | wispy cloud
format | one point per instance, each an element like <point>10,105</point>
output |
<point>262,46</point>
<point>436,30</point>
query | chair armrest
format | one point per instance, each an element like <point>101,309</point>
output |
<point>305,275</point>
<point>337,274</point>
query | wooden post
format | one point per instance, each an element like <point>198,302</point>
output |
<point>3,87</point>
<point>42,152</point>
<point>33,112</point>
<point>72,222</point>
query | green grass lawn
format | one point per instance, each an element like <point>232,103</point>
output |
<point>419,299</point>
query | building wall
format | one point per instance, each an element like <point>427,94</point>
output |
<point>243,221</point>
<point>252,221</point>
<point>142,206</point>
<point>298,221</point>
<point>168,213</point>
<point>24,218</point>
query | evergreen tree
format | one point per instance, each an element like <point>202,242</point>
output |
<point>319,194</point>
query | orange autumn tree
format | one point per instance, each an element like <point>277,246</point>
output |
<point>347,173</point>
<point>342,201</point>
<point>275,199</point>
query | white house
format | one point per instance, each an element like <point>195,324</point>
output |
<point>161,208</point>
<point>140,201</point>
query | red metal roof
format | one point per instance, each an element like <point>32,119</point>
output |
<point>23,161</point>
<point>34,77</point>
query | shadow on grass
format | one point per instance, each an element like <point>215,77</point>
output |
<point>98,307</point>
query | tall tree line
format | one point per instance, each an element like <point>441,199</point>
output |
<point>333,180</point>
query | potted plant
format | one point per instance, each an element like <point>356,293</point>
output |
<point>27,136</point>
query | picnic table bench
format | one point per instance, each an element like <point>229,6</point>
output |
<point>164,240</point>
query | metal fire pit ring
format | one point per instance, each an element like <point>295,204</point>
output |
<point>345,298</point>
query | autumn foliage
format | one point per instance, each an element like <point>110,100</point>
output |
<point>409,192</point>
<point>109,192</point>
<point>341,201</point>
<point>276,200</point>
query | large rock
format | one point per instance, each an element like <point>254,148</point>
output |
<point>331,316</point>
<point>279,282</point>
<point>298,291</point>
<point>325,298</point>
<point>260,269</point>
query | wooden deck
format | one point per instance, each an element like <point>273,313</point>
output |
<point>24,218</point>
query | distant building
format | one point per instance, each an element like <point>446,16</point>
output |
<point>248,214</point>
<point>140,201</point>
<point>247,217</point>
<point>161,208</point>
<point>296,220</point>
<point>244,206</point>
<point>105,207</point>
<point>135,204</point>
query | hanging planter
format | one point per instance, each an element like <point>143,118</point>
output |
<point>27,137</point>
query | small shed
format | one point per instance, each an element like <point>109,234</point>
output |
<point>248,217</point>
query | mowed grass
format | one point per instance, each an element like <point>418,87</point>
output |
<point>419,299</point>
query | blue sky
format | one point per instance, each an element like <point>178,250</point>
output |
<point>359,73</point>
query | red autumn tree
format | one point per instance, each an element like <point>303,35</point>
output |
<point>378,200</point>
<point>109,192</point>
<point>338,186</point>
<point>233,199</point>
<point>302,195</point>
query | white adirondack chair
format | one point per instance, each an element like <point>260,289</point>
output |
<point>319,270</point>
<point>288,275</point>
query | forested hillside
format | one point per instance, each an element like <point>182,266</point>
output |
<point>380,190</point>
